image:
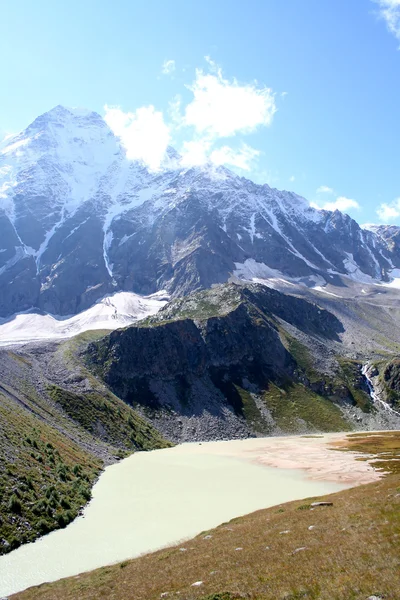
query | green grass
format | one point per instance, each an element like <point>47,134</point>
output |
<point>296,404</point>
<point>46,469</point>
<point>44,477</point>
<point>382,450</point>
<point>301,355</point>
<point>351,553</point>
<point>108,418</point>
<point>251,412</point>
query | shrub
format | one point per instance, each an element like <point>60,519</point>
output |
<point>62,522</point>
<point>43,526</point>
<point>85,492</point>
<point>15,505</point>
<point>65,503</point>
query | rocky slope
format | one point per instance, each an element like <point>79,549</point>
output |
<point>54,440</point>
<point>232,361</point>
<point>79,221</point>
<point>236,361</point>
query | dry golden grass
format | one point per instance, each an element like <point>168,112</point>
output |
<point>352,551</point>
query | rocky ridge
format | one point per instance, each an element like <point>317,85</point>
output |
<point>236,361</point>
<point>79,221</point>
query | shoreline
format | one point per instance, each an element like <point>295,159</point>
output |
<point>151,500</point>
<point>317,455</point>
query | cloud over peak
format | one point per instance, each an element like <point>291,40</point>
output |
<point>324,189</point>
<point>219,108</point>
<point>389,212</point>
<point>143,133</point>
<point>222,108</point>
<point>341,203</point>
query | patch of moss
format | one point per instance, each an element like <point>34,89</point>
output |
<point>295,405</point>
<point>301,355</point>
<point>382,450</point>
<point>109,419</point>
<point>219,596</point>
<point>251,412</point>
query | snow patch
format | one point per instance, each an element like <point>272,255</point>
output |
<point>20,253</point>
<point>394,274</point>
<point>319,288</point>
<point>354,270</point>
<point>112,312</point>
<point>251,270</point>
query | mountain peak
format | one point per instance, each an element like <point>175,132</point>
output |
<point>81,220</point>
<point>61,115</point>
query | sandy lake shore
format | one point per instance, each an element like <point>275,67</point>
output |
<point>154,499</point>
<point>317,455</point>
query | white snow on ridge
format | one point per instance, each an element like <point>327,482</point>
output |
<point>321,289</point>
<point>112,312</point>
<point>395,279</point>
<point>354,271</point>
<point>253,271</point>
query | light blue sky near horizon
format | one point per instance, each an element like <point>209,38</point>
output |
<point>332,65</point>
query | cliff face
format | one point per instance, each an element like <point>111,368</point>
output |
<point>214,359</point>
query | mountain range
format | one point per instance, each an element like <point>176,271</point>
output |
<point>235,310</point>
<point>79,222</point>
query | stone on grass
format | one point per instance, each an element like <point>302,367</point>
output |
<point>197,584</point>
<point>299,549</point>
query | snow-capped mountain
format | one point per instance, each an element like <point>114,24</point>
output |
<point>79,221</point>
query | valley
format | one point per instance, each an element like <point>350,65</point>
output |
<point>304,533</point>
<point>162,333</point>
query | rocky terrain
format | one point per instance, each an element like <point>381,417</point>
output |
<point>79,221</point>
<point>281,317</point>
<point>235,361</point>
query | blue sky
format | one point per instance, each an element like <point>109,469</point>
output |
<point>301,95</point>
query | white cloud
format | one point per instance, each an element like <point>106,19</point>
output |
<point>144,133</point>
<point>241,158</point>
<point>389,10</point>
<point>199,152</point>
<point>341,203</point>
<point>292,178</point>
<point>388,212</point>
<point>219,109</point>
<point>195,153</point>
<point>324,189</point>
<point>168,67</point>
<point>223,108</point>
